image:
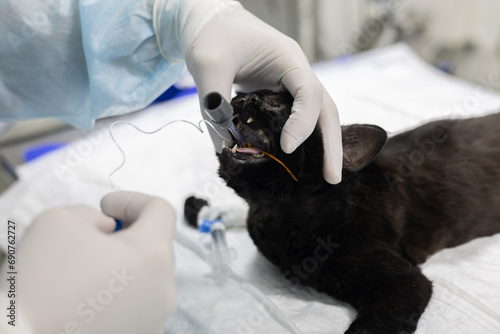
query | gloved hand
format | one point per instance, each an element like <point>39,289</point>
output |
<point>73,272</point>
<point>235,46</point>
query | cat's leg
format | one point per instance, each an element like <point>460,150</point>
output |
<point>389,293</point>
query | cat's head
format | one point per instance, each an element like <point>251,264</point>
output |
<point>260,117</point>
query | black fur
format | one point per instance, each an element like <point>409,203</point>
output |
<point>399,201</point>
<point>192,207</point>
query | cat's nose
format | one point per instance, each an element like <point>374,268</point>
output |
<point>250,98</point>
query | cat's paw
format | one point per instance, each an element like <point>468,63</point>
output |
<point>376,327</point>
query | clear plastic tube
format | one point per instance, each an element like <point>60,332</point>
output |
<point>220,255</point>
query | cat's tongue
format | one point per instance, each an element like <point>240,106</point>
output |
<point>247,150</point>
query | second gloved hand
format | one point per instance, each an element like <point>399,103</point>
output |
<point>76,276</point>
<point>234,46</point>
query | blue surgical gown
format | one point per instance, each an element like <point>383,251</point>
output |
<point>80,60</point>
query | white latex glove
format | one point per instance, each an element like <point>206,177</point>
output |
<point>75,274</point>
<point>235,46</point>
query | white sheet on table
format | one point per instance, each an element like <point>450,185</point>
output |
<point>389,87</point>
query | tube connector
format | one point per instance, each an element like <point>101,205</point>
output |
<point>220,113</point>
<point>218,109</point>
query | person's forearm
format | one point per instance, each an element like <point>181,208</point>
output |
<point>81,60</point>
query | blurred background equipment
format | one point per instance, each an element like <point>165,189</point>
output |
<point>461,37</point>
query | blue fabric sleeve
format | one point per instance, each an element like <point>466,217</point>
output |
<point>83,60</point>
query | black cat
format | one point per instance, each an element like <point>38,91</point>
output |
<point>399,201</point>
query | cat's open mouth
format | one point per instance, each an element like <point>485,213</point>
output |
<point>259,118</point>
<point>256,140</point>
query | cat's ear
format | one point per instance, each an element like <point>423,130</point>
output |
<point>361,143</point>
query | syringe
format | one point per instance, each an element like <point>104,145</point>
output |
<point>209,221</point>
<point>220,255</point>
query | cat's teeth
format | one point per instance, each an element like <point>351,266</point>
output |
<point>234,148</point>
<point>250,120</point>
<point>235,116</point>
<point>262,133</point>
<point>224,144</point>
<point>258,155</point>
<point>266,140</point>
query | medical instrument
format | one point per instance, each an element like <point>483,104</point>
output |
<point>110,129</point>
<point>218,110</point>
<point>223,294</point>
<point>209,221</point>
<point>275,159</point>
<point>119,225</point>
<point>220,255</point>
<point>221,114</point>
